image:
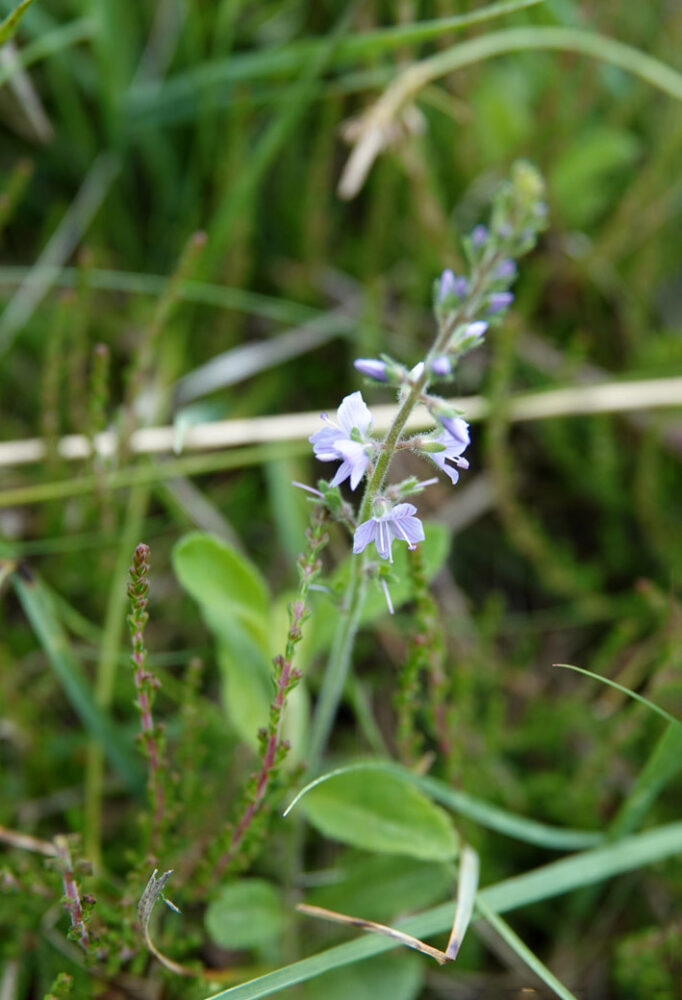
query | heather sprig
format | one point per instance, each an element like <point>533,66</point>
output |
<point>146,685</point>
<point>423,677</point>
<point>274,748</point>
<point>75,904</point>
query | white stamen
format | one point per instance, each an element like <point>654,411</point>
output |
<point>387,596</point>
<point>310,489</point>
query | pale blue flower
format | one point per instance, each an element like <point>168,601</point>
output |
<point>450,459</point>
<point>457,429</point>
<point>398,522</point>
<point>479,235</point>
<point>345,440</point>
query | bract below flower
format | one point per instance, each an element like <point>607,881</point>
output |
<point>345,439</point>
<point>398,523</point>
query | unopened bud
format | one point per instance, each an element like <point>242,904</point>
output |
<point>372,368</point>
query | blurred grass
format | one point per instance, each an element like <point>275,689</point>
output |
<point>227,117</point>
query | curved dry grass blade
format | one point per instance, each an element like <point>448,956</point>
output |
<point>153,892</point>
<point>379,121</point>
<point>370,925</point>
<point>467,887</point>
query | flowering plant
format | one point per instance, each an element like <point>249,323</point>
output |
<point>466,308</point>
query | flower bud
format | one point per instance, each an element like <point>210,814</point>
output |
<point>479,235</point>
<point>506,269</point>
<point>441,365</point>
<point>499,301</point>
<point>452,286</point>
<point>372,368</point>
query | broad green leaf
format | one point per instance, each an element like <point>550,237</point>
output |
<point>247,688</point>
<point>245,914</point>
<point>398,977</point>
<point>223,583</point>
<point>502,110</point>
<point>11,22</point>
<point>511,825</point>
<point>380,812</point>
<point>582,179</point>
<point>547,882</point>
<point>234,600</point>
<point>382,886</point>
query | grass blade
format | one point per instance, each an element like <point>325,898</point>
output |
<point>11,22</point>
<point>467,887</point>
<point>63,37</point>
<point>192,86</point>
<point>201,292</point>
<point>38,608</point>
<point>59,247</point>
<point>566,875</point>
<point>664,764</point>
<point>619,687</point>
<point>528,957</point>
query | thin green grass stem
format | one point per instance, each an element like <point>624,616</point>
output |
<point>149,473</point>
<point>529,958</point>
<point>338,664</point>
<point>73,33</point>
<point>283,61</point>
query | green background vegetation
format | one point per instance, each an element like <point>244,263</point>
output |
<point>132,127</point>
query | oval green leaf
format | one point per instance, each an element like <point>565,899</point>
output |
<point>222,582</point>
<point>245,914</point>
<point>380,812</point>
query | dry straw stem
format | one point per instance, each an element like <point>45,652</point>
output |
<point>467,886</point>
<point>378,127</point>
<point>25,842</point>
<point>606,397</point>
